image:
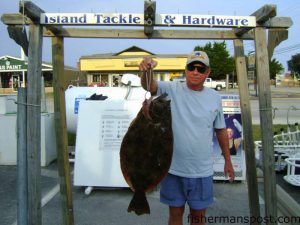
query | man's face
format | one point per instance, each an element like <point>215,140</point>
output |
<point>196,73</point>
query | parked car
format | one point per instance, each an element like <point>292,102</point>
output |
<point>218,85</point>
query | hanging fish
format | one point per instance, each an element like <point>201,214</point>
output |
<point>146,152</point>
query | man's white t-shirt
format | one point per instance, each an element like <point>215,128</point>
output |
<point>195,114</point>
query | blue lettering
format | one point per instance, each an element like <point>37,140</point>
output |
<point>196,21</point>
<point>203,20</point>
<point>46,19</point>
<point>244,22</point>
<point>137,20</point>
<point>106,20</point>
<point>123,19</point>
<point>64,19</point>
<point>114,19</point>
<point>52,20</point>
<point>230,22</point>
<point>220,21</point>
<point>187,19</point>
<point>82,19</point>
<point>98,17</point>
<point>211,20</point>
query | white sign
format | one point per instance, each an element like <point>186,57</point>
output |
<point>113,127</point>
<point>138,19</point>
<point>100,130</point>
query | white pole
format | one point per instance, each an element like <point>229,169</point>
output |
<point>23,57</point>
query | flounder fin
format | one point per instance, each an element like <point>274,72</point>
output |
<point>139,203</point>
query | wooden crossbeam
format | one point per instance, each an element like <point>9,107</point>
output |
<point>33,12</point>
<point>262,15</point>
<point>15,19</point>
<point>278,22</point>
<point>157,34</point>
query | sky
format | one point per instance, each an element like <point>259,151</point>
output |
<point>75,47</point>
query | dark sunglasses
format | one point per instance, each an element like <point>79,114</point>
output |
<point>200,69</point>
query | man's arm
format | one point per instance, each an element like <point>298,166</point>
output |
<point>224,144</point>
<point>146,65</point>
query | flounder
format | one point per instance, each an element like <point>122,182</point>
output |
<point>146,152</point>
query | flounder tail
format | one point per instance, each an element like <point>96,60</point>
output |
<point>139,203</point>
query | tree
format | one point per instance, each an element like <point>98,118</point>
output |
<point>220,61</point>
<point>275,68</point>
<point>294,64</point>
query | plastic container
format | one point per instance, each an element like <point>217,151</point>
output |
<point>73,96</point>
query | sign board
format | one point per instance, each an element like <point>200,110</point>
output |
<point>100,130</point>
<point>232,115</point>
<point>138,19</point>
<point>12,64</point>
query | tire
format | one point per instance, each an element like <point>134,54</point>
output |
<point>218,87</point>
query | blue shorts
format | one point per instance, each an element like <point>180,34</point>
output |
<point>197,192</point>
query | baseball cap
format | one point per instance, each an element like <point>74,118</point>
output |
<point>198,56</point>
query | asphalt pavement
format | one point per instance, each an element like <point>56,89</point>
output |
<point>108,206</point>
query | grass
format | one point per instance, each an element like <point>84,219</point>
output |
<point>71,139</point>
<point>257,130</point>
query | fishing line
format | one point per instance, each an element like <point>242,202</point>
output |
<point>149,75</point>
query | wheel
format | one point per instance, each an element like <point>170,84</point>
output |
<point>218,87</point>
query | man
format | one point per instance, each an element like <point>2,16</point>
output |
<point>196,113</point>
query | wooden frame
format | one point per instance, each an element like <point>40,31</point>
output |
<point>265,18</point>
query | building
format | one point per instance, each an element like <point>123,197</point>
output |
<point>106,69</point>
<point>13,74</point>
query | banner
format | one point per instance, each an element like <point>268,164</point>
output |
<point>138,19</point>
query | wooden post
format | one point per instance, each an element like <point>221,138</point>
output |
<point>248,141</point>
<point>61,130</point>
<point>34,125</point>
<point>22,189</point>
<point>265,107</point>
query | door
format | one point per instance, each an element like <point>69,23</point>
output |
<point>15,82</point>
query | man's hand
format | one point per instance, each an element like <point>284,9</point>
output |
<point>147,63</point>
<point>147,81</point>
<point>229,171</point>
